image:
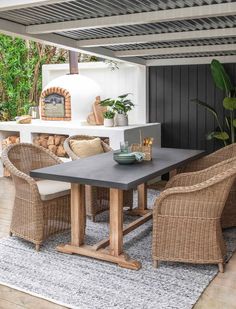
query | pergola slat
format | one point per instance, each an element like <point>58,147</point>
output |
<point>137,18</point>
<point>162,37</point>
<point>136,31</point>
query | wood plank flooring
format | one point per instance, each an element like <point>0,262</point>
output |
<point>220,294</point>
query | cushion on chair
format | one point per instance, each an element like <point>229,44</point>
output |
<point>49,189</point>
<point>86,148</point>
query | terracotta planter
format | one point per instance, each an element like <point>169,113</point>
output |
<point>121,120</point>
<point>108,122</point>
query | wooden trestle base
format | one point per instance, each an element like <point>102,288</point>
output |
<point>110,249</point>
<point>123,260</point>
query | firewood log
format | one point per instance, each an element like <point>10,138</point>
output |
<point>13,139</point>
<point>44,143</point>
<point>52,148</point>
<point>60,151</point>
<point>57,140</point>
<point>51,140</point>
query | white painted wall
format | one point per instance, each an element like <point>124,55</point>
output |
<point>128,78</point>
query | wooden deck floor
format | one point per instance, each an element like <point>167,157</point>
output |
<point>220,294</point>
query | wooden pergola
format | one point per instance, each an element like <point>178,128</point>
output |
<point>150,32</point>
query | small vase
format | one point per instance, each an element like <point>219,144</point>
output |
<point>121,120</point>
<point>108,122</point>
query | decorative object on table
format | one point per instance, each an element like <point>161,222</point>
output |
<point>121,106</point>
<point>145,146</point>
<point>225,131</point>
<point>124,158</point>
<point>124,146</point>
<point>195,201</point>
<point>109,118</point>
<point>97,198</point>
<point>52,142</point>
<point>34,112</point>
<point>96,117</point>
<point>128,158</point>
<point>24,119</point>
<point>41,207</point>
<point>228,216</point>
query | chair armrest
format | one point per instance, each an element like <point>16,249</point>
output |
<point>195,165</point>
<point>199,200</point>
<point>193,178</point>
<point>218,156</point>
<point>16,173</point>
<point>188,179</point>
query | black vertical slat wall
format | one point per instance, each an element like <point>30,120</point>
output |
<point>171,89</point>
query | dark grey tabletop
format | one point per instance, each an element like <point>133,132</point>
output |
<point>102,171</point>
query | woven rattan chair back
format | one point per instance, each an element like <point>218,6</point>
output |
<point>229,213</point>
<point>33,219</point>
<point>26,157</point>
<point>187,215</point>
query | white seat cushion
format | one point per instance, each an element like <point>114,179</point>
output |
<point>50,189</point>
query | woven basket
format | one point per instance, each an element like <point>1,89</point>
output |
<point>147,150</point>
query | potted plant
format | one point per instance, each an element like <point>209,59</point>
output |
<point>226,129</point>
<point>109,118</point>
<point>121,106</point>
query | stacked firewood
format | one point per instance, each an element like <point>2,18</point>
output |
<point>52,142</point>
<point>14,139</point>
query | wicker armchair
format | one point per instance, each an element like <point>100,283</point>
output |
<point>187,214</point>
<point>35,216</point>
<point>228,218</point>
<point>97,199</point>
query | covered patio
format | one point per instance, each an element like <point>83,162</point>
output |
<point>132,204</point>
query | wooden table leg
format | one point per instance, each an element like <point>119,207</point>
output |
<point>142,209</point>
<point>116,231</point>
<point>116,221</point>
<point>142,197</point>
<point>77,214</point>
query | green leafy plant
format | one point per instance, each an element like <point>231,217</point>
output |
<point>121,105</point>
<point>109,114</point>
<point>225,131</point>
<point>21,73</point>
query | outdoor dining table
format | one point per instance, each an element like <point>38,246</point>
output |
<point>102,171</point>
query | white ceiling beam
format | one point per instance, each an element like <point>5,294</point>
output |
<point>162,37</point>
<point>138,18</point>
<point>14,29</point>
<point>175,50</point>
<point>190,61</point>
<point>6,5</point>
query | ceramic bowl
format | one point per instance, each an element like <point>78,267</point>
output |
<point>124,158</point>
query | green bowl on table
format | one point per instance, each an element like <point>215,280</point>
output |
<point>127,157</point>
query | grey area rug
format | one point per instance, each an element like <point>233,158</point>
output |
<point>80,282</point>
